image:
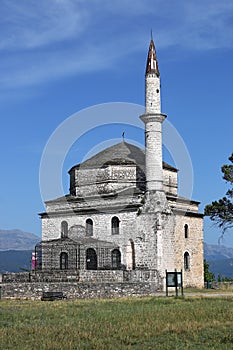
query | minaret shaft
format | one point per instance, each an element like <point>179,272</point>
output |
<point>153,119</point>
<point>152,96</point>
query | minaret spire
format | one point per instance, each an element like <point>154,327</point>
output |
<point>152,62</point>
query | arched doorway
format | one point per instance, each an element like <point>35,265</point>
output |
<point>63,261</point>
<point>116,259</point>
<point>91,259</point>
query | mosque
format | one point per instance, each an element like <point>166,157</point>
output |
<point>123,211</point>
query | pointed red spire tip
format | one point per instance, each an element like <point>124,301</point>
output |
<point>152,62</point>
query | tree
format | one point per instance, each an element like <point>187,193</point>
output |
<point>221,211</point>
<point>208,276</point>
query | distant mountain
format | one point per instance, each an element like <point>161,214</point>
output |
<point>214,252</point>
<point>220,259</point>
<point>17,240</point>
<point>222,267</point>
<point>16,247</point>
<point>15,260</point>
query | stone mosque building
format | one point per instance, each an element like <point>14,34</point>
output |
<point>123,211</point>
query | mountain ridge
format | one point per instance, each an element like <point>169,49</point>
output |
<point>16,239</point>
<point>15,260</point>
<point>213,252</point>
<point>16,247</point>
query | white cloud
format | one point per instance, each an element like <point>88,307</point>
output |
<point>31,24</point>
<point>38,67</point>
<point>43,40</point>
<point>208,24</point>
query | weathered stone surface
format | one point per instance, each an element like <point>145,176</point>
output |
<point>76,290</point>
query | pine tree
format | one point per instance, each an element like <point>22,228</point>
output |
<point>221,211</point>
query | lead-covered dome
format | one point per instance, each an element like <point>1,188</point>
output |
<point>112,170</point>
<point>117,168</point>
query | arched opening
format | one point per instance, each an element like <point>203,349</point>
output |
<point>186,261</point>
<point>89,227</point>
<point>115,225</point>
<point>91,259</point>
<point>133,254</point>
<point>186,231</point>
<point>63,261</point>
<point>116,259</point>
<point>64,229</point>
<point>130,255</point>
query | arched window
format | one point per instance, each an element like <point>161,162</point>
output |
<point>186,261</point>
<point>91,259</point>
<point>64,229</point>
<point>115,225</point>
<point>186,231</point>
<point>63,261</point>
<point>89,227</point>
<point>116,259</point>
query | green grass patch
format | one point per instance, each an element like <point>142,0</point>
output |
<point>130,323</point>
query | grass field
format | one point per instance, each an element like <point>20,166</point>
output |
<point>145,323</point>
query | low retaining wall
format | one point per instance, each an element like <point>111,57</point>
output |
<point>102,276</point>
<point>222,285</point>
<point>75,290</point>
<point>81,284</point>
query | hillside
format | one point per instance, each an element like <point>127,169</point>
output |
<point>220,259</point>
<point>16,247</point>
<point>223,267</point>
<point>214,252</point>
<point>15,260</point>
<point>17,240</point>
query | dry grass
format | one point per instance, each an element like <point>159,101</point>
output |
<point>132,323</point>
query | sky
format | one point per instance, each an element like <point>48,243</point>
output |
<point>60,57</point>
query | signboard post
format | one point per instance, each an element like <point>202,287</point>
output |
<point>175,280</point>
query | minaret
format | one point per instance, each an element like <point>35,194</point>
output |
<point>153,119</point>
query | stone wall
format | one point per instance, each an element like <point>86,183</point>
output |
<point>67,276</point>
<point>170,183</point>
<point>82,284</point>
<point>101,276</point>
<point>101,229</point>
<point>75,290</point>
<point>83,276</point>
<point>16,277</point>
<point>51,227</point>
<point>105,180</point>
<point>193,245</point>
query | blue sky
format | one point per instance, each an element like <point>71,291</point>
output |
<point>60,56</point>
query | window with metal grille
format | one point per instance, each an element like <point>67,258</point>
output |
<point>116,259</point>
<point>63,261</point>
<point>115,225</point>
<point>186,261</point>
<point>64,229</point>
<point>89,227</point>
